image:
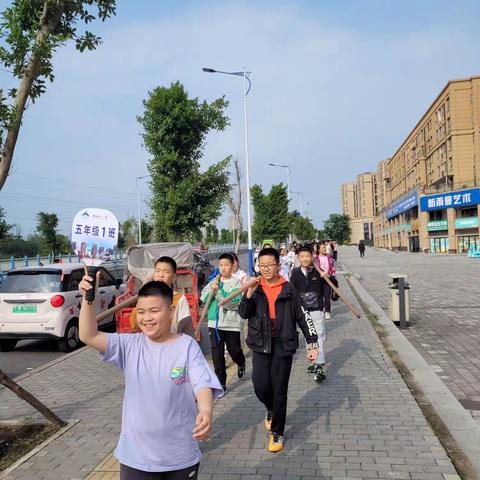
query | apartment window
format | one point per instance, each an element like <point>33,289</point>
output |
<point>468,212</point>
<point>447,103</point>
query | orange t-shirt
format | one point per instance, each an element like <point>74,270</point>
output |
<point>272,292</point>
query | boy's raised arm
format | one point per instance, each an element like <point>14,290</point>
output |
<point>88,327</point>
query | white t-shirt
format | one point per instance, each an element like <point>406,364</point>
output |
<point>242,276</point>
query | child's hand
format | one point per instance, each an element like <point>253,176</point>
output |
<point>203,426</point>
<point>215,287</point>
<point>85,284</point>
<point>251,290</point>
<point>312,355</point>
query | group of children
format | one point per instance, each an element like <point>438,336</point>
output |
<point>169,386</point>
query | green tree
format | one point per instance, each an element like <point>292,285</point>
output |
<point>321,235</point>
<point>226,236</point>
<point>127,233</point>
<point>211,234</point>
<point>337,228</point>
<point>147,230</point>
<point>302,228</point>
<point>271,218</point>
<point>4,226</point>
<point>47,227</point>
<point>31,31</point>
<point>174,130</point>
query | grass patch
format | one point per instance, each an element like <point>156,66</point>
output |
<point>16,440</point>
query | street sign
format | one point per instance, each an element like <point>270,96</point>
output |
<point>94,238</point>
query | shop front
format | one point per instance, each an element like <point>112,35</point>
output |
<point>402,215</point>
<point>453,225</point>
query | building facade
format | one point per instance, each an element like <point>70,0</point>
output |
<point>437,162</point>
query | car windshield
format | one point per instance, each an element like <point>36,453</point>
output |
<point>32,281</point>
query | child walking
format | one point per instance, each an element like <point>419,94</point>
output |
<point>274,309</point>
<point>308,282</point>
<point>224,323</point>
<point>169,388</point>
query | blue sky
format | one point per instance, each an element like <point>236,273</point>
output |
<point>336,88</point>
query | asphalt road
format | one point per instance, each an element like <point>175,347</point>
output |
<point>31,354</point>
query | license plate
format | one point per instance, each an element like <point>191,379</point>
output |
<point>24,309</point>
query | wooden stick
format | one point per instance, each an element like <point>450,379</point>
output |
<point>210,298</point>
<point>336,290</point>
<point>251,283</point>
<point>107,313</point>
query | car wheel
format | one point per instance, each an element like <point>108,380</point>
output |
<point>7,345</point>
<point>70,340</point>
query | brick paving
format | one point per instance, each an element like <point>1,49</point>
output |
<point>361,423</point>
<point>445,311</point>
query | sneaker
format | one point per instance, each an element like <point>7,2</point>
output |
<point>311,368</point>
<point>320,375</point>
<point>276,443</point>
<point>327,316</point>
<point>268,420</point>
<point>241,371</point>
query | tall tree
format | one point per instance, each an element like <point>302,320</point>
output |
<point>4,226</point>
<point>234,201</point>
<point>302,228</point>
<point>30,33</point>
<point>174,130</point>
<point>337,228</point>
<point>271,219</point>
<point>47,226</point>
<point>128,233</point>
<point>211,234</point>
<point>226,236</point>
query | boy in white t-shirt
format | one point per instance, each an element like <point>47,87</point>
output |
<point>162,371</point>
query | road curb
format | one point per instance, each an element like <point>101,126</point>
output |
<point>461,427</point>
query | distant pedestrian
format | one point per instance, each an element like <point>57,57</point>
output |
<point>333,250</point>
<point>169,387</point>
<point>274,309</point>
<point>285,264</point>
<point>326,263</point>
<point>237,271</point>
<point>361,248</point>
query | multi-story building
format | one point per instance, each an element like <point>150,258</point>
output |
<point>359,203</point>
<point>348,199</point>
<point>432,196</point>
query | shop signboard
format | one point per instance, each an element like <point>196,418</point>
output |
<point>405,203</point>
<point>440,201</point>
<point>470,222</point>
<point>437,225</point>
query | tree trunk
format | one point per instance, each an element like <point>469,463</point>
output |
<point>28,397</point>
<point>48,23</point>
<point>235,205</point>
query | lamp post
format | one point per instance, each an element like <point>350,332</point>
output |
<point>301,202</point>
<point>288,178</point>
<point>138,209</point>
<point>246,79</point>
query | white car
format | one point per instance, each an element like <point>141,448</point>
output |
<point>44,302</point>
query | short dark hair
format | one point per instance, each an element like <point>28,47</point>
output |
<point>168,260</point>
<point>156,289</point>
<point>269,251</point>
<point>226,256</point>
<point>235,256</point>
<point>305,248</point>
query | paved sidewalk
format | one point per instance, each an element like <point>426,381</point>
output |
<point>445,311</point>
<point>361,423</point>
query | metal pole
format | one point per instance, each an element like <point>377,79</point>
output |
<point>247,174</point>
<point>288,185</point>
<point>138,213</point>
<point>401,300</point>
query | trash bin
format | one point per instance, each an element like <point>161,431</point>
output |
<point>394,300</point>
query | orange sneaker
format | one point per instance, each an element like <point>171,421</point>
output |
<point>276,443</point>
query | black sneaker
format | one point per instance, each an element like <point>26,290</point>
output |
<point>320,375</point>
<point>311,368</point>
<point>241,371</point>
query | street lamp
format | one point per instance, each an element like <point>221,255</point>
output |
<point>288,177</point>
<point>246,79</point>
<point>138,209</point>
<point>301,201</point>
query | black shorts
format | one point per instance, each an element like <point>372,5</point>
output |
<point>129,473</point>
